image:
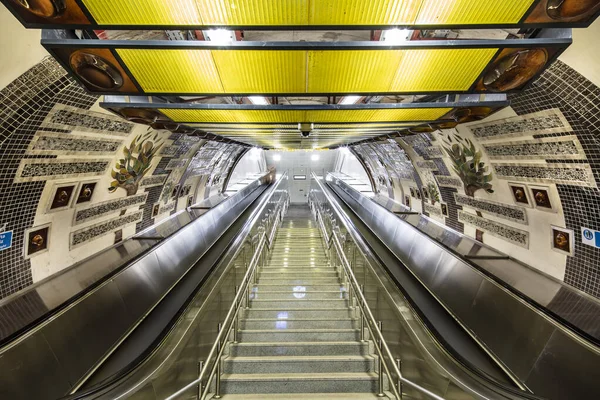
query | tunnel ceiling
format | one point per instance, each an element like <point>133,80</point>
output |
<point>302,73</point>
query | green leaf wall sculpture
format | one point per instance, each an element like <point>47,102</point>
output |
<point>466,162</point>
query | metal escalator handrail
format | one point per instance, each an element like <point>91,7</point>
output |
<point>380,344</point>
<point>225,327</point>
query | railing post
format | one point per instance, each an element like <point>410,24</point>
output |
<point>399,363</point>
<point>380,344</point>
<point>200,364</point>
<point>362,317</point>
<point>236,319</point>
<point>218,370</point>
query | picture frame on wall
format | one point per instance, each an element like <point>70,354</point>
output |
<point>444,207</point>
<point>37,241</point>
<point>155,209</point>
<point>190,201</point>
<point>541,198</point>
<point>86,192</point>
<point>418,193</point>
<point>407,201</point>
<point>562,240</point>
<point>62,196</point>
<point>520,194</point>
<point>412,192</point>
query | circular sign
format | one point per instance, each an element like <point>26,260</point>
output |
<point>588,234</point>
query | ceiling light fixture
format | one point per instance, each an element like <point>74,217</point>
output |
<point>276,157</point>
<point>220,36</point>
<point>258,100</point>
<point>314,157</point>
<point>396,35</point>
<point>349,99</point>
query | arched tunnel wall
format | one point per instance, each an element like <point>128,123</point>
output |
<point>535,188</point>
<point>73,182</point>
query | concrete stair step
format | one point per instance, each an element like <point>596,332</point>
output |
<point>350,382</point>
<point>268,349</point>
<point>296,303</point>
<point>300,293</point>
<point>269,287</point>
<point>298,335</point>
<point>309,323</point>
<point>286,313</point>
<point>298,364</point>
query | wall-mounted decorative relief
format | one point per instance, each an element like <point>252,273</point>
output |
<point>86,192</point>
<point>72,118</point>
<point>190,201</point>
<point>31,170</point>
<point>444,208</point>
<point>448,181</point>
<point>426,164</point>
<point>118,236</point>
<point>434,152</point>
<point>178,163</point>
<point>505,232</point>
<point>62,196</point>
<point>136,162</point>
<point>412,192</point>
<point>542,122</point>
<point>69,144</point>
<point>565,147</point>
<point>569,174</point>
<point>36,240</point>
<point>562,240</point>
<point>433,210</point>
<point>167,208</point>
<point>407,201</point>
<point>519,193</point>
<point>467,164</point>
<point>541,198</point>
<point>93,232</point>
<point>169,151</point>
<point>155,209</point>
<point>154,180</point>
<point>99,210</point>
<point>501,210</point>
<point>433,192</point>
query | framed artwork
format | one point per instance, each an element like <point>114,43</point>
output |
<point>407,201</point>
<point>418,193</point>
<point>174,191</point>
<point>86,192</point>
<point>444,209</point>
<point>118,236</point>
<point>155,209</point>
<point>36,240</point>
<point>540,196</point>
<point>61,196</point>
<point>519,193</point>
<point>412,192</point>
<point>479,235</point>
<point>425,193</point>
<point>562,240</point>
<point>190,201</point>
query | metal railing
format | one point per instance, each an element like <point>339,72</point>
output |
<point>333,243</point>
<point>259,243</point>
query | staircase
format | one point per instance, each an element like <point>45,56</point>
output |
<point>299,337</point>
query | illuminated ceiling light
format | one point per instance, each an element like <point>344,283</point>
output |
<point>396,35</point>
<point>258,100</point>
<point>349,99</point>
<point>314,157</point>
<point>277,157</point>
<point>220,36</point>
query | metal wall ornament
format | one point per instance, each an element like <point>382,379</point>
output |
<point>62,196</point>
<point>36,240</point>
<point>155,209</point>
<point>86,192</point>
<point>444,207</point>
<point>467,164</point>
<point>562,240</point>
<point>541,198</point>
<point>136,162</point>
<point>519,193</point>
<point>95,71</point>
<point>571,10</point>
<point>514,70</point>
<point>407,201</point>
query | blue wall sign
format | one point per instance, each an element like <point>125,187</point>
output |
<point>5,240</point>
<point>590,237</point>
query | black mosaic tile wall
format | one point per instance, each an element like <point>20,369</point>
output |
<point>579,100</point>
<point>23,106</point>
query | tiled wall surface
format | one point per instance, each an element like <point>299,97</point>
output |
<point>50,140</point>
<point>579,101</point>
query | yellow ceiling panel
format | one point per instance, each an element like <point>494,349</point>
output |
<point>253,12</point>
<point>173,71</point>
<point>456,12</point>
<point>262,71</point>
<point>440,69</point>
<point>147,12</point>
<point>351,71</point>
<point>363,12</point>
<point>282,116</point>
<point>376,115</point>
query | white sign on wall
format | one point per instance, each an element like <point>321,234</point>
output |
<point>590,237</point>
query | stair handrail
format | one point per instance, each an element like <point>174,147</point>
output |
<point>380,344</point>
<point>266,235</point>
